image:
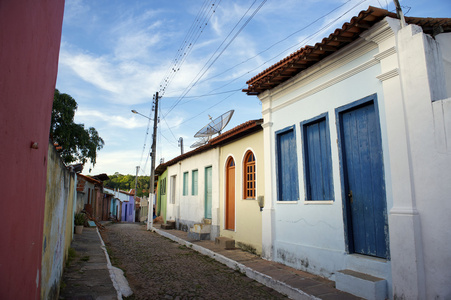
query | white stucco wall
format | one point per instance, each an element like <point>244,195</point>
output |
<point>188,210</point>
<point>311,220</point>
<point>407,71</point>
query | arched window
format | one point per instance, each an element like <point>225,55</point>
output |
<point>249,175</point>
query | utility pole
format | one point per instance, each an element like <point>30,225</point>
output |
<point>400,13</point>
<point>181,145</point>
<point>152,170</point>
<point>136,181</point>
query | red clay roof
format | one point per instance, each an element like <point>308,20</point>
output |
<point>230,135</point>
<point>90,179</point>
<point>237,132</point>
<point>349,32</point>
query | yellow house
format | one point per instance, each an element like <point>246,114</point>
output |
<point>241,182</point>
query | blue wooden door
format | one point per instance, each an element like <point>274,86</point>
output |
<point>208,192</point>
<point>364,186</point>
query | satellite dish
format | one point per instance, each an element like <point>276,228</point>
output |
<point>216,125</point>
<point>200,142</point>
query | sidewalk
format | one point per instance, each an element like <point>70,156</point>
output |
<point>294,283</point>
<point>90,276</point>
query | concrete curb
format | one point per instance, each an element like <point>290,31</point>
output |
<point>120,283</point>
<point>279,286</point>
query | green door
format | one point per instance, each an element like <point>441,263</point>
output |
<point>208,192</point>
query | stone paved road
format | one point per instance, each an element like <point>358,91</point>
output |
<point>158,268</point>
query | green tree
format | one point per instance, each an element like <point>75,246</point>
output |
<point>127,182</point>
<point>78,144</point>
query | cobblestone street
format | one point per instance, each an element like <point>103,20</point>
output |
<point>158,268</point>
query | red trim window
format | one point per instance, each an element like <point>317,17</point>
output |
<point>249,175</point>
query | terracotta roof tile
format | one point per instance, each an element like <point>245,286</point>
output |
<point>350,31</point>
<point>237,132</point>
<point>232,134</point>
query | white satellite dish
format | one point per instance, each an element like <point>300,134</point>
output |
<point>200,142</point>
<point>216,125</point>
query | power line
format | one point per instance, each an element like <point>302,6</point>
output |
<point>201,74</point>
<point>205,95</point>
<point>278,55</point>
<point>200,21</point>
<point>282,40</point>
<point>191,38</point>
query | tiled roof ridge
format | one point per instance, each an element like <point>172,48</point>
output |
<point>239,128</point>
<point>307,49</point>
<point>210,144</point>
<point>350,31</point>
<point>90,179</point>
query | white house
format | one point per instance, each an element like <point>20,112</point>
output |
<point>192,190</point>
<point>357,137</point>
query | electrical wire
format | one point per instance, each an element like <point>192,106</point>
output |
<point>285,50</point>
<point>205,68</point>
<point>190,41</point>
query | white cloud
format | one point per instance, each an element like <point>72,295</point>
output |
<point>95,70</point>
<point>124,161</point>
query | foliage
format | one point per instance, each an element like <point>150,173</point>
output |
<point>79,219</point>
<point>78,144</point>
<point>127,182</point>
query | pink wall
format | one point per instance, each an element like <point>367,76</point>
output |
<point>30,35</point>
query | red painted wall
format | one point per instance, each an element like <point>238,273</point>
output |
<point>30,36</point>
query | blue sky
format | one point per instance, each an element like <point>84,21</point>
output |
<point>116,54</point>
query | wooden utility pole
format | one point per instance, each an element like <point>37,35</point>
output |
<point>136,181</point>
<point>152,168</point>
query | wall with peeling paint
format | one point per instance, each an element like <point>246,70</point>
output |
<point>58,223</point>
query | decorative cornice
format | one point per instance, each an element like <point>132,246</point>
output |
<point>266,111</point>
<point>388,75</point>
<point>267,124</point>
<point>386,53</point>
<point>329,83</point>
<point>330,64</point>
<point>379,32</point>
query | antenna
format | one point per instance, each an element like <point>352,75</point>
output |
<point>212,128</point>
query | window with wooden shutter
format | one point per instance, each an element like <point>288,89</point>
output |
<point>249,175</point>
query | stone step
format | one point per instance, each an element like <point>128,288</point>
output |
<point>199,232</point>
<point>361,285</point>
<point>170,224</point>
<point>225,242</point>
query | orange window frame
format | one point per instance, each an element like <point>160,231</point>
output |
<point>249,168</point>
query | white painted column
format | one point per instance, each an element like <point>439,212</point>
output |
<point>408,96</point>
<point>268,213</point>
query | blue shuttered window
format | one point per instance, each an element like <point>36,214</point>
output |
<point>317,159</point>
<point>287,165</point>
